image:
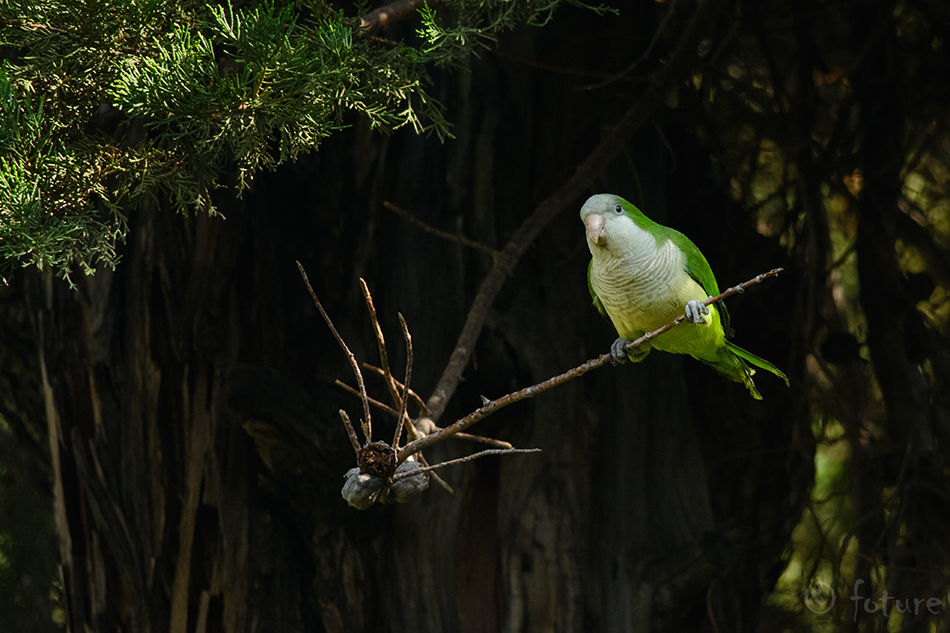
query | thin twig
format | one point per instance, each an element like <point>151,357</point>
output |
<point>481,439</point>
<point>373,401</point>
<point>460,460</point>
<point>458,239</point>
<point>351,432</point>
<point>381,342</point>
<point>405,393</point>
<point>529,392</point>
<point>367,421</point>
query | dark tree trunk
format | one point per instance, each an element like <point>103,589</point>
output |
<point>197,450</point>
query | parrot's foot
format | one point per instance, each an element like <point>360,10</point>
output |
<point>695,310</point>
<point>619,357</point>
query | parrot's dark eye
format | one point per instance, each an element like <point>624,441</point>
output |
<point>618,209</point>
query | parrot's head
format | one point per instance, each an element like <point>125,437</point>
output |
<point>605,215</point>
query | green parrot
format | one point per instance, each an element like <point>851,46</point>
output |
<point>642,275</point>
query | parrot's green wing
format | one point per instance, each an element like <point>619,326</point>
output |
<point>699,269</point>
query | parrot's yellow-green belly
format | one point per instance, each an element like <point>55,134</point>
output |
<point>640,303</point>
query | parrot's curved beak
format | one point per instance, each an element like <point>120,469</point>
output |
<point>595,229</point>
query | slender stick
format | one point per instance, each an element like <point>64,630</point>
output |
<point>468,458</point>
<point>381,343</point>
<point>351,432</point>
<point>450,237</point>
<point>405,393</point>
<point>367,420</point>
<point>529,392</point>
<point>373,401</point>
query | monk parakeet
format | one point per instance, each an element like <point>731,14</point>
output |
<point>643,275</point>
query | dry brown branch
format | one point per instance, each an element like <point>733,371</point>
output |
<point>373,401</point>
<point>380,342</point>
<point>481,439</point>
<point>405,394</point>
<point>467,458</point>
<point>529,392</point>
<point>350,431</point>
<point>382,17</point>
<point>367,421</point>
<point>668,78</point>
<point>376,461</point>
<point>458,239</point>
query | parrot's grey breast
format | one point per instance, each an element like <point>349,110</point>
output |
<point>641,286</point>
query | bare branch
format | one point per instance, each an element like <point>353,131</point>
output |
<point>529,392</point>
<point>367,421</point>
<point>468,458</point>
<point>481,439</point>
<point>351,432</point>
<point>381,342</point>
<point>382,17</point>
<point>439,480</point>
<point>405,394</point>
<point>458,239</point>
<point>373,401</point>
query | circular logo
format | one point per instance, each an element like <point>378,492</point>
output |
<point>819,597</point>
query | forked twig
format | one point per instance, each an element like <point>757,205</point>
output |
<point>492,406</point>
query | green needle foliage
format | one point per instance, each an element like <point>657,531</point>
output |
<point>109,104</point>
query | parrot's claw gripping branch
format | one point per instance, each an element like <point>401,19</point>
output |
<point>695,311</point>
<point>384,472</point>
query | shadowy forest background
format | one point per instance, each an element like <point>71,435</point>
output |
<point>171,453</point>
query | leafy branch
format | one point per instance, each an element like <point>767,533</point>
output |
<point>112,105</point>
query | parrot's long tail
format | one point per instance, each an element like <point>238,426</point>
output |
<point>749,357</point>
<point>741,372</point>
<point>733,362</point>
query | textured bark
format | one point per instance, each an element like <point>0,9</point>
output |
<point>197,450</point>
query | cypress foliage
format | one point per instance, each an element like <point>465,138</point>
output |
<point>106,105</point>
